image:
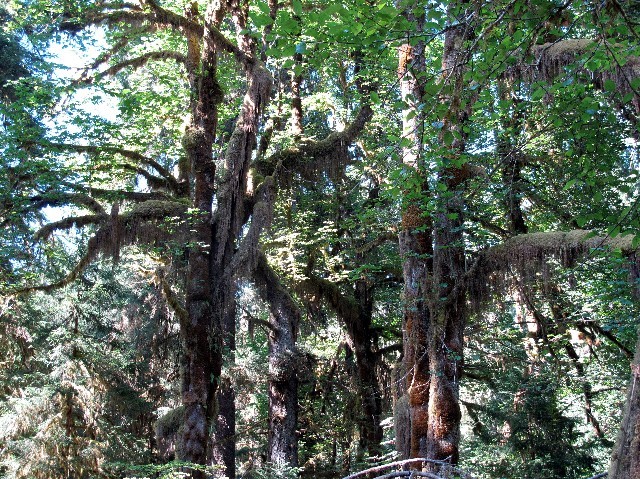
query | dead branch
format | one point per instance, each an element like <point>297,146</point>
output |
<point>415,461</point>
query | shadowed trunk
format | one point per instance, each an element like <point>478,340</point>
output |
<point>223,437</point>
<point>282,446</point>
<point>201,360</point>
<point>625,460</point>
<point>356,314</point>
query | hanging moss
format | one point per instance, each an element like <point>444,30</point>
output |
<point>166,430</point>
<point>529,256</point>
<point>554,60</point>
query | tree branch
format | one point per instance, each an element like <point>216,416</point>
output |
<point>138,62</point>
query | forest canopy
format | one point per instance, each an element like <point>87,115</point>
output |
<point>289,239</point>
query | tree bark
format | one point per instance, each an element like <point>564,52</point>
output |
<point>199,332</point>
<point>625,460</point>
<point>282,446</point>
<point>355,312</point>
<point>416,251</point>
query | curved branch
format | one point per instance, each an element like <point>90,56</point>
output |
<point>132,155</point>
<point>47,230</point>
<point>138,62</point>
<point>134,226</point>
<point>63,199</point>
<point>335,145</point>
<point>115,195</point>
<point>167,17</point>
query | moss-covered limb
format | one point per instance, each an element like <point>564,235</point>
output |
<point>139,62</point>
<point>66,199</point>
<point>134,15</point>
<point>245,260</point>
<point>379,240</point>
<point>138,225</point>
<point>564,245</point>
<point>528,254</point>
<point>345,306</point>
<point>155,210</point>
<point>552,59</point>
<point>93,250</point>
<point>392,348</point>
<point>321,155</point>
<point>46,231</point>
<point>155,183</point>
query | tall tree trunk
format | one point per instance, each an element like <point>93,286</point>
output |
<point>434,263</point>
<point>201,359</point>
<point>416,250</point>
<point>355,312</point>
<point>625,460</point>
<point>360,334</point>
<point>282,446</point>
<point>223,437</point>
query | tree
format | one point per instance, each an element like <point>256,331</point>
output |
<point>437,272</point>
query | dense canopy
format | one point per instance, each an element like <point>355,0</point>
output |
<point>282,239</point>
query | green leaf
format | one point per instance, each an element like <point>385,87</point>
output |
<point>610,85</point>
<point>297,7</point>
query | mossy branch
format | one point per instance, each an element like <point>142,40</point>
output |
<point>116,195</point>
<point>65,199</point>
<point>344,305</point>
<point>164,16</point>
<point>529,254</point>
<point>551,61</point>
<point>46,231</point>
<point>137,225</point>
<point>172,298</point>
<point>320,155</point>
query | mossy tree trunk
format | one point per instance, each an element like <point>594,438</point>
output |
<point>284,360</point>
<point>201,359</point>
<point>416,250</point>
<point>448,309</point>
<point>432,247</point>
<point>625,460</point>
